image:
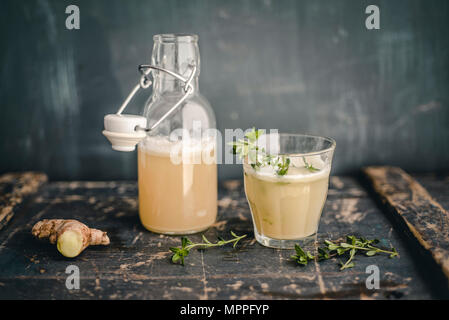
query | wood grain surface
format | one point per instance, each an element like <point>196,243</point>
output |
<point>424,219</point>
<point>137,263</point>
<point>14,187</point>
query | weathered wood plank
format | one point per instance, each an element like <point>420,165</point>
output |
<point>422,217</point>
<point>437,185</point>
<point>137,264</point>
<point>14,187</point>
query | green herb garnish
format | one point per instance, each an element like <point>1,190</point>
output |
<point>186,245</point>
<point>257,158</point>
<point>308,166</point>
<point>247,147</point>
<point>350,248</point>
<point>283,166</point>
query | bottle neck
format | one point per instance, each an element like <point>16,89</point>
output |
<point>164,85</point>
<point>175,52</point>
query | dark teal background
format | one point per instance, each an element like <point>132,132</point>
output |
<point>298,66</point>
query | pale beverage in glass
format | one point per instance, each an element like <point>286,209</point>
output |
<point>287,207</point>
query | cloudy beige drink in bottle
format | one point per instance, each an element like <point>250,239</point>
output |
<point>176,197</point>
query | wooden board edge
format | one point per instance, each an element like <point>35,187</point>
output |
<point>376,176</point>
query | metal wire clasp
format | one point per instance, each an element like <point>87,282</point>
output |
<point>145,82</point>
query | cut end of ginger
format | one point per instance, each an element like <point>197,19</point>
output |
<point>70,244</point>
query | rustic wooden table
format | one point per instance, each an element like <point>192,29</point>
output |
<point>136,265</point>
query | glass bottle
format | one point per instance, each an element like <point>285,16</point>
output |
<point>177,171</point>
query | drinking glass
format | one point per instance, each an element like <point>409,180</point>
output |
<point>286,185</point>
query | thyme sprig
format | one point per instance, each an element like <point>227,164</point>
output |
<point>257,157</point>
<point>186,245</point>
<point>350,247</point>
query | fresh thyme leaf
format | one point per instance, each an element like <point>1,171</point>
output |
<point>185,241</point>
<point>175,258</point>
<point>254,134</point>
<point>394,253</point>
<point>322,254</point>
<point>187,245</point>
<point>299,251</point>
<point>205,239</point>
<point>174,250</point>
<point>301,256</point>
<point>349,263</point>
<point>256,166</point>
<point>179,254</point>
<point>346,265</point>
<point>351,239</point>
<point>308,166</point>
<point>283,166</point>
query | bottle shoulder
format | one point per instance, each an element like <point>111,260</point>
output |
<point>195,108</point>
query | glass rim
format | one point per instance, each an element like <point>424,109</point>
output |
<point>311,153</point>
<point>175,37</point>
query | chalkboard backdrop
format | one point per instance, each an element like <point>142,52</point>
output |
<point>298,66</point>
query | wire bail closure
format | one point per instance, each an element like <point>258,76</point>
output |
<point>145,82</point>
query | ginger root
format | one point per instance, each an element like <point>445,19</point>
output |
<point>71,236</point>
